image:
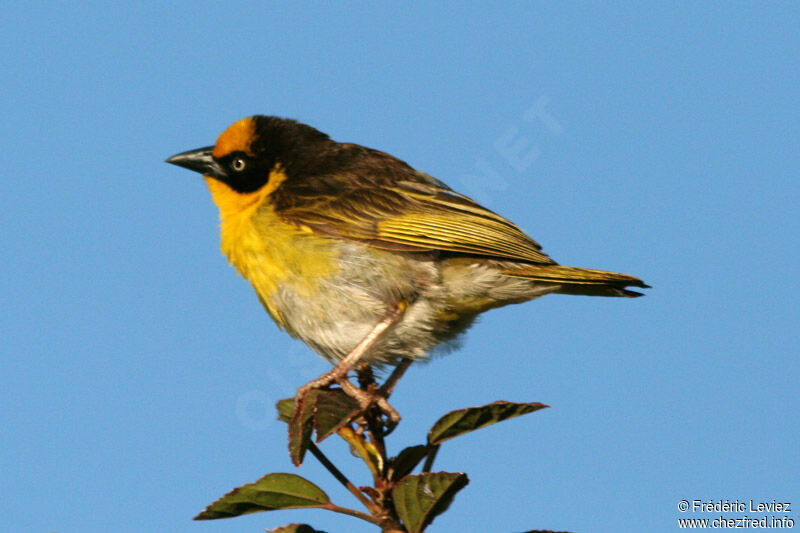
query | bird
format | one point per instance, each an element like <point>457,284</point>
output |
<point>349,248</point>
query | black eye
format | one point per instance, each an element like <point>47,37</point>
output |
<point>238,164</point>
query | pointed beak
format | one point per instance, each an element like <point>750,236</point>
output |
<point>199,160</point>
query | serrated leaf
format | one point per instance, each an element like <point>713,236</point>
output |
<point>462,421</point>
<point>325,411</point>
<point>301,425</point>
<point>420,498</point>
<point>273,491</point>
<point>333,409</point>
<point>337,408</point>
<point>406,461</point>
<point>295,528</point>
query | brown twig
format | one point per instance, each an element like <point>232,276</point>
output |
<point>341,478</point>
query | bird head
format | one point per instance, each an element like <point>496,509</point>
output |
<point>250,149</point>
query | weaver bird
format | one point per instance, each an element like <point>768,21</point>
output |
<point>345,244</point>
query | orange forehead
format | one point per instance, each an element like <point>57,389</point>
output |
<point>236,138</point>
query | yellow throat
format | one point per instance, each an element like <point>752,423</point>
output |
<point>264,249</point>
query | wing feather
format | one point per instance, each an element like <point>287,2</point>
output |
<point>418,214</point>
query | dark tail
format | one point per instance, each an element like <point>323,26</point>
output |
<point>585,281</point>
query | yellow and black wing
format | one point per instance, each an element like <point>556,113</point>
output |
<point>418,214</point>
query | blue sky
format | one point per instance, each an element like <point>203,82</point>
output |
<point>138,370</point>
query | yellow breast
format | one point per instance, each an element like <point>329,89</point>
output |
<point>267,251</point>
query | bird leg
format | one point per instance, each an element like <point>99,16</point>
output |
<point>339,373</point>
<point>380,395</point>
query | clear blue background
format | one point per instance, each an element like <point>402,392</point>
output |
<point>138,370</point>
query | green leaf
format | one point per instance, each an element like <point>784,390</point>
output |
<point>273,491</point>
<point>295,528</point>
<point>333,409</point>
<point>285,408</point>
<point>420,498</point>
<point>406,461</point>
<point>462,421</point>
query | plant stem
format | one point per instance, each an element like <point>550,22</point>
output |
<point>375,429</point>
<point>352,512</point>
<point>316,452</point>
<point>391,382</point>
<point>431,456</point>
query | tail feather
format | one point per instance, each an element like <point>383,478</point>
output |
<point>585,281</point>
